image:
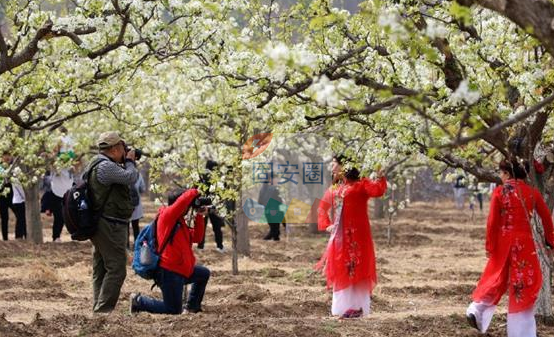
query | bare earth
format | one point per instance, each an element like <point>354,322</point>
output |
<point>425,280</point>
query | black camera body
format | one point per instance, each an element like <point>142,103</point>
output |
<point>202,202</point>
<point>138,152</point>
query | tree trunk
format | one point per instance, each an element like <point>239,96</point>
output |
<point>408,193</point>
<point>243,238</point>
<point>543,306</point>
<point>32,212</point>
<point>235,257</point>
<point>378,208</point>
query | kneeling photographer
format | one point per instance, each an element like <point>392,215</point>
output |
<point>177,265</point>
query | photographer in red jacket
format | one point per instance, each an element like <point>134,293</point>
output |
<point>177,263</point>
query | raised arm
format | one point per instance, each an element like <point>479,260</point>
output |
<point>199,228</point>
<point>174,212</point>
<point>375,188</point>
<point>546,217</point>
<point>108,172</point>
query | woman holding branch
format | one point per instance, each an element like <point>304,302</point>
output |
<point>349,260</point>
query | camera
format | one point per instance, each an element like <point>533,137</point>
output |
<point>201,202</point>
<point>138,152</point>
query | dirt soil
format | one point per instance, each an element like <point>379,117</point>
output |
<point>426,277</point>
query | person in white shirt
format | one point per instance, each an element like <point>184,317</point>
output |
<point>14,199</point>
<point>18,208</point>
<point>61,181</point>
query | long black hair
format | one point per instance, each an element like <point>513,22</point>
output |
<point>514,168</point>
<point>350,174</point>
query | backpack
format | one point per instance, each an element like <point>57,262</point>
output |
<point>78,215</point>
<point>146,256</point>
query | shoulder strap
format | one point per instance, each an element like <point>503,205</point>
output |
<point>170,237</point>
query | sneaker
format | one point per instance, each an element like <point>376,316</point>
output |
<point>191,310</point>
<point>133,303</point>
<point>221,250</point>
<point>58,240</point>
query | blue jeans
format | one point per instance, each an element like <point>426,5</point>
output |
<point>172,290</point>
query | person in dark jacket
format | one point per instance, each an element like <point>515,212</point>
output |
<point>270,197</point>
<point>177,263</point>
<point>217,221</point>
<point>109,182</point>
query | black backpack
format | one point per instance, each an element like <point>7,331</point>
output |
<point>79,217</point>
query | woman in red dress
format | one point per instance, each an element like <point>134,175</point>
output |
<point>349,260</point>
<point>513,264</point>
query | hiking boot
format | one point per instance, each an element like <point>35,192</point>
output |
<point>133,303</point>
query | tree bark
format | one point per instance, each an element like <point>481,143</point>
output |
<point>32,212</point>
<point>243,238</point>
<point>241,221</point>
<point>543,306</point>
<point>378,208</point>
<point>235,255</point>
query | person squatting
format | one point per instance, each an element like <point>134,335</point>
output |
<point>348,262</point>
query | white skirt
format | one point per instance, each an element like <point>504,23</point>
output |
<point>353,297</point>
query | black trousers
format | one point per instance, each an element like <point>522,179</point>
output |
<point>20,221</point>
<point>217,223</point>
<point>56,208</point>
<point>5,205</point>
<point>136,230</point>
<point>274,232</point>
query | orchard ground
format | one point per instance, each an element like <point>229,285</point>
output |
<point>426,277</point>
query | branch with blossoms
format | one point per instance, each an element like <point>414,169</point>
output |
<point>535,17</point>
<point>37,38</point>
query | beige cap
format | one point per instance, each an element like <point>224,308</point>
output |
<point>108,139</point>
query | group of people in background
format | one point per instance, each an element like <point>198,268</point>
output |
<point>475,190</point>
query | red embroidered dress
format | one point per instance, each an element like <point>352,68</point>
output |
<point>350,256</point>
<point>513,263</point>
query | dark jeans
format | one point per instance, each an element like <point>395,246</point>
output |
<point>5,205</point>
<point>217,223</point>
<point>56,208</point>
<point>172,290</point>
<point>20,221</point>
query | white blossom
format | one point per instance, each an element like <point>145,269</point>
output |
<point>463,93</point>
<point>325,92</point>
<point>435,29</point>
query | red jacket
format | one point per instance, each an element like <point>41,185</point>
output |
<point>178,256</point>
